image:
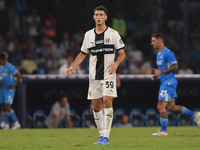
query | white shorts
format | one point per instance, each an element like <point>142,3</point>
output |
<point>100,88</point>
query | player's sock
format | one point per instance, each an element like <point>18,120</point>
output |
<point>164,122</point>
<point>2,124</point>
<point>5,117</point>
<point>108,118</point>
<point>99,120</point>
<point>13,116</point>
<point>188,112</point>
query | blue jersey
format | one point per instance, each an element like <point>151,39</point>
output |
<point>164,59</point>
<point>8,75</point>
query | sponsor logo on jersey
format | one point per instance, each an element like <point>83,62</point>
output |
<point>102,50</point>
<point>99,42</point>
<point>107,40</point>
<point>160,62</point>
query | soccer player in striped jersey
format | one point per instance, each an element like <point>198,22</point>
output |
<point>101,42</point>
<point>167,65</point>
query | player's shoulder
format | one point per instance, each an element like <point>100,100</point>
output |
<point>112,30</point>
<point>168,51</point>
<point>8,65</point>
<point>91,31</point>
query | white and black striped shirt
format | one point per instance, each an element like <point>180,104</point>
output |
<point>102,48</point>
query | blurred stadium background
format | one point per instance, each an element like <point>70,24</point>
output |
<point>46,31</point>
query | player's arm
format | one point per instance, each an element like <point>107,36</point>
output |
<point>173,67</point>
<point>68,118</point>
<point>113,67</point>
<point>18,76</point>
<point>79,59</point>
<point>55,120</point>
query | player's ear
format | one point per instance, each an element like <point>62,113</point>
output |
<point>94,17</point>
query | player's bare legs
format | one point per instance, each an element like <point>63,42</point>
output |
<point>161,106</point>
<point>108,118</point>
<point>99,118</point>
<point>172,107</point>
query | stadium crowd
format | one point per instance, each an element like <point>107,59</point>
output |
<point>35,47</point>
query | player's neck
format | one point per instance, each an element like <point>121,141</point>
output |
<point>100,28</point>
<point>161,48</point>
<point>4,63</point>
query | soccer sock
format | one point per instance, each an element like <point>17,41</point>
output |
<point>99,120</point>
<point>5,117</point>
<point>164,122</point>
<point>108,118</point>
<point>13,116</point>
<point>188,112</point>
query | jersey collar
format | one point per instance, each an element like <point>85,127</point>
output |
<point>100,33</point>
<point>164,48</point>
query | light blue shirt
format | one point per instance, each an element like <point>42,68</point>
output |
<point>8,75</point>
<point>164,59</point>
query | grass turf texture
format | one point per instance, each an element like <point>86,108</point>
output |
<point>179,138</point>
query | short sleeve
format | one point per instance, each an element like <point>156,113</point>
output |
<point>118,43</point>
<point>84,49</point>
<point>171,58</point>
<point>12,69</point>
<point>67,109</point>
<point>55,109</point>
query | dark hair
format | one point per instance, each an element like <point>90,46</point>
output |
<point>158,36</point>
<point>102,8</point>
<point>2,55</point>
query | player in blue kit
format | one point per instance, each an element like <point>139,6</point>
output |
<point>167,65</point>
<point>8,84</point>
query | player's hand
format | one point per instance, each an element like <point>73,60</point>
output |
<point>157,72</point>
<point>113,68</point>
<point>69,71</point>
<point>153,77</point>
<point>10,87</point>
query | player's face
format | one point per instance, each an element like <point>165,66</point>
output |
<point>155,42</point>
<point>64,101</point>
<point>100,17</point>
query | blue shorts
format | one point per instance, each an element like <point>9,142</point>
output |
<point>7,96</point>
<point>167,92</point>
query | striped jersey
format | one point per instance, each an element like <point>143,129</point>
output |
<point>102,48</point>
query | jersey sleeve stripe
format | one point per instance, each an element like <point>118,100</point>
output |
<point>175,62</point>
<point>120,48</point>
<point>84,52</point>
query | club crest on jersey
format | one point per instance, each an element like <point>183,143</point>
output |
<point>107,40</point>
<point>161,56</point>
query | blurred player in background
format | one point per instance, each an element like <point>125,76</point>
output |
<point>8,84</point>
<point>102,43</point>
<point>2,105</point>
<point>59,111</point>
<point>167,65</point>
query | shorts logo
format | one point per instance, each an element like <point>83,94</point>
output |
<point>107,40</point>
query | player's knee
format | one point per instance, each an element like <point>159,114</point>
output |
<point>97,108</point>
<point>170,108</point>
<point>7,108</point>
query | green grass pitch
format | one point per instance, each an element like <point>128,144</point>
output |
<point>136,138</point>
